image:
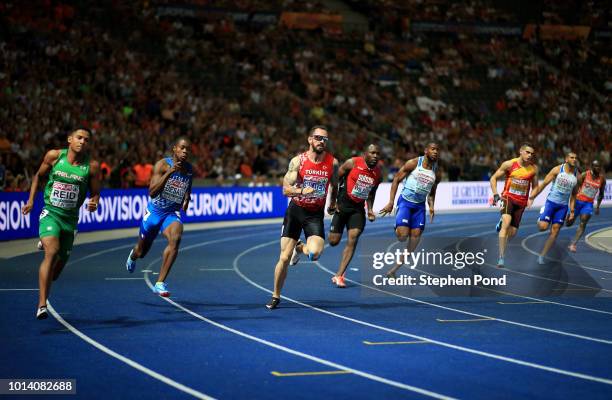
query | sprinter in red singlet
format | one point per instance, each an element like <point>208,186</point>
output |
<point>306,183</point>
<point>359,178</point>
<point>589,183</point>
<point>521,175</point>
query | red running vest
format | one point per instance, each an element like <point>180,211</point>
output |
<point>361,180</point>
<point>316,176</point>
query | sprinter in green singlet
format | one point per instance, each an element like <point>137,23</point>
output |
<point>71,174</point>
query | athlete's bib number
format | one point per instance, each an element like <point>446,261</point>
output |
<point>589,191</point>
<point>64,195</point>
<point>519,187</point>
<point>361,190</point>
<point>319,185</point>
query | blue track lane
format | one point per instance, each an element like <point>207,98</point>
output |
<point>566,342</point>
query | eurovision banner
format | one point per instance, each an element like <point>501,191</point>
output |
<point>125,208</point>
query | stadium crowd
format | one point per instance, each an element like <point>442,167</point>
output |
<point>245,95</point>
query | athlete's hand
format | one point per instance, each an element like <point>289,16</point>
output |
<point>332,209</point>
<point>529,202</point>
<point>570,219</point>
<point>596,210</point>
<point>371,216</point>
<point>306,191</point>
<point>496,199</point>
<point>386,210</point>
<point>432,213</point>
<point>26,208</point>
<point>92,206</point>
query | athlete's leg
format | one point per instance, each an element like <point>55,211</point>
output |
<point>505,233</point>
<point>141,249</point>
<point>349,250</point>
<point>66,242</point>
<point>313,247</point>
<point>51,245</point>
<point>402,233</point>
<point>542,225</point>
<point>173,233</point>
<point>584,220</point>
<point>552,236</point>
<point>280,271</point>
<point>336,228</point>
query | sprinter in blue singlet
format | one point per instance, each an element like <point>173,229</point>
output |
<point>169,192</point>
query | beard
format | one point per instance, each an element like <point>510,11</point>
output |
<point>318,150</point>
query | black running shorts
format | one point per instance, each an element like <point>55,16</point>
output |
<point>349,218</point>
<point>298,218</point>
<point>514,210</point>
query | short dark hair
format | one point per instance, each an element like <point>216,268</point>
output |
<point>371,144</point>
<point>527,144</point>
<point>431,144</point>
<point>80,129</point>
<point>178,139</point>
<point>314,128</point>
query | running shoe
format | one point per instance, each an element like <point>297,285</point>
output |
<point>541,260</point>
<point>273,303</point>
<point>130,264</point>
<point>39,245</point>
<point>295,257</point>
<point>41,313</point>
<point>500,262</point>
<point>161,289</point>
<point>499,225</point>
<point>338,281</point>
<point>572,247</point>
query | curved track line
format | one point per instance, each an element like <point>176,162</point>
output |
<point>528,249</point>
<point>458,247</point>
<point>123,359</point>
<point>299,353</point>
<point>440,343</point>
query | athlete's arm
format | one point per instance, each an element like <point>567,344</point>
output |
<point>370,202</point>
<point>407,168</point>
<point>602,189</point>
<point>94,186</point>
<point>187,199</point>
<point>334,188</point>
<point>161,173</point>
<point>290,179</point>
<point>45,167</point>
<point>549,178</point>
<point>342,174</point>
<point>431,198</point>
<point>535,186</point>
<point>501,171</point>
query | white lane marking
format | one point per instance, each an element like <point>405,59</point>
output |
<point>402,333</point>
<point>458,247</point>
<point>12,290</point>
<point>304,355</point>
<point>526,248</point>
<point>126,360</point>
<point>595,245</point>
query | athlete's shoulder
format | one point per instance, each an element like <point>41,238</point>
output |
<point>53,155</point>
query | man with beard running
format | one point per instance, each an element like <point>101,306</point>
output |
<point>306,182</point>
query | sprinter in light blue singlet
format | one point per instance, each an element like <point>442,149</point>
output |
<point>554,211</point>
<point>169,192</point>
<point>421,177</point>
